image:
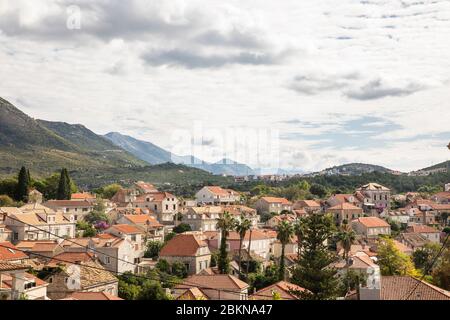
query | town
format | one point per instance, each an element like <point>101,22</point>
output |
<point>136,242</point>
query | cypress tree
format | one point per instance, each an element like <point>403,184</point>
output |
<point>22,185</point>
<point>64,190</point>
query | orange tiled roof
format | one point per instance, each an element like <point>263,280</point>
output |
<point>276,200</point>
<point>142,219</point>
<point>345,206</point>
<point>399,287</point>
<point>127,229</point>
<point>82,196</point>
<point>92,296</point>
<point>372,222</point>
<point>285,289</point>
<point>420,228</point>
<point>182,245</point>
<point>10,253</point>
<point>216,281</point>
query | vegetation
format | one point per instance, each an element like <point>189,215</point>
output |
<point>241,228</point>
<point>313,271</point>
<point>64,190</point>
<point>285,231</point>
<point>346,237</point>
<point>225,224</point>
<point>132,287</point>
<point>261,280</point>
<point>392,261</point>
<point>107,192</point>
<point>98,214</point>
<point>6,201</point>
<point>182,227</point>
<point>153,249</point>
<point>23,185</point>
<point>87,228</point>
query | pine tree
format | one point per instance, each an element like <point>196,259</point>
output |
<point>22,185</point>
<point>64,186</point>
<point>313,271</point>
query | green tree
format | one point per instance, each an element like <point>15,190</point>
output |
<point>242,227</point>
<point>313,271</point>
<point>178,269</point>
<point>318,190</point>
<point>182,227</point>
<point>6,201</point>
<point>169,236</point>
<point>152,290</point>
<point>88,229</point>
<point>441,272</point>
<point>153,249</point>
<point>299,230</point>
<point>163,266</point>
<point>225,224</point>
<point>423,257</point>
<point>392,261</point>
<point>22,185</point>
<point>352,280</point>
<point>64,186</point>
<point>98,213</point>
<point>346,237</point>
<point>109,191</point>
<point>285,231</point>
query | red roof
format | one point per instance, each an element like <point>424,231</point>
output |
<point>142,219</point>
<point>82,196</point>
<point>72,257</point>
<point>372,222</point>
<point>182,245</point>
<point>420,228</point>
<point>11,252</point>
<point>345,206</point>
<point>276,200</point>
<point>92,296</point>
<point>127,229</point>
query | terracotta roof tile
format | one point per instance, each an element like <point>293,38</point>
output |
<point>182,245</point>
<point>372,222</point>
<point>398,288</point>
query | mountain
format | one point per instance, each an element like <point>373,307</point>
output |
<point>442,165</point>
<point>153,154</point>
<point>45,147</point>
<point>352,169</point>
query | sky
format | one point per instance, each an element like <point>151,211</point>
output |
<point>294,84</point>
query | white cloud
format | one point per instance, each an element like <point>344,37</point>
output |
<point>146,68</point>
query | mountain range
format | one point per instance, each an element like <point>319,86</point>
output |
<point>45,147</point>
<point>153,154</point>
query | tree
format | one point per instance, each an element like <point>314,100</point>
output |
<point>98,214</point>
<point>88,229</point>
<point>6,201</point>
<point>423,257</point>
<point>241,228</point>
<point>299,233</point>
<point>64,186</point>
<point>23,185</point>
<point>352,281</point>
<point>179,269</point>
<point>182,227</point>
<point>153,249</point>
<point>109,191</point>
<point>318,190</point>
<point>441,273</point>
<point>163,266</point>
<point>225,223</point>
<point>392,261</point>
<point>169,236</point>
<point>284,233</point>
<point>346,237</point>
<point>313,271</point>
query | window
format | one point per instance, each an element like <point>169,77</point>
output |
<point>156,207</point>
<point>76,209</point>
<point>174,207</point>
<point>167,207</point>
<point>85,209</point>
<point>133,237</point>
<point>76,217</point>
<point>107,260</point>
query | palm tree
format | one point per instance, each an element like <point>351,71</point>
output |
<point>225,223</point>
<point>299,231</point>
<point>285,232</point>
<point>249,255</point>
<point>346,238</point>
<point>241,228</point>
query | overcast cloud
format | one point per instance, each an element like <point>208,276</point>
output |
<point>358,81</point>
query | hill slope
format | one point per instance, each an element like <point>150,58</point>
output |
<point>353,169</point>
<point>45,147</point>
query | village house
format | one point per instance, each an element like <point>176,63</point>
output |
<point>147,223</point>
<point>376,198</point>
<point>11,254</point>
<point>310,206</point>
<point>16,283</point>
<point>340,198</point>
<point>273,205</point>
<point>407,288</point>
<point>442,197</point>
<point>371,227</point>
<point>428,232</point>
<point>5,232</point>
<point>97,296</point>
<point>165,205</point>
<point>259,240</point>
<point>275,220</point>
<point>115,253</point>
<point>84,276</point>
<point>41,249</point>
<point>214,195</point>
<point>132,234</point>
<point>142,187</point>
<point>214,287</point>
<point>124,196</point>
<point>189,248</point>
<point>345,212</point>
<point>285,291</point>
<point>37,222</point>
<point>78,208</point>
<point>413,240</point>
<point>202,218</point>
<point>87,196</point>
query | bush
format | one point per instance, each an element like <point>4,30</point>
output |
<point>153,249</point>
<point>182,227</point>
<point>6,201</point>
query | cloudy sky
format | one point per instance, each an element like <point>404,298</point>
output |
<point>317,82</point>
